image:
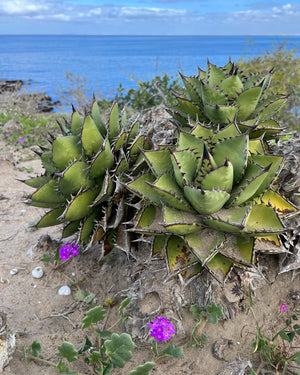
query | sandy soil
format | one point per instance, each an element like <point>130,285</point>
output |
<point>35,311</point>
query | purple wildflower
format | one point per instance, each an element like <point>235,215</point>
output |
<point>283,307</point>
<point>7,134</point>
<point>67,250</point>
<point>161,328</point>
<point>21,140</point>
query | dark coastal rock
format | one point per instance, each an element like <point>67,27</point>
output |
<point>10,85</point>
<point>44,103</point>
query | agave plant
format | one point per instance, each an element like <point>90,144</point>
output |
<point>208,198</point>
<point>83,173</point>
<point>222,95</point>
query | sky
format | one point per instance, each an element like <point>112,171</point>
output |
<point>150,17</point>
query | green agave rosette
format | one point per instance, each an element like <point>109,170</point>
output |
<point>84,171</point>
<point>221,95</point>
<point>208,199</point>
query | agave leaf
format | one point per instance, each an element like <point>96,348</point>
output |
<point>204,243</point>
<point>74,178</point>
<point>220,114</point>
<point>247,102</point>
<point>133,132</point>
<point>91,138</point>
<point>247,188</point>
<point>219,267</point>
<point>48,193</point>
<point>70,229</point>
<point>102,161</point>
<point>121,141</point>
<point>212,96</point>
<point>98,234</point>
<point>230,130</point>
<point>158,246</point>
<point>206,202</point>
<point>189,141</point>
<point>280,204</point>
<point>184,166</point>
<point>214,75</point>
<point>51,218</point>
<point>220,178</point>
<point>159,161</point>
<point>263,220</point>
<point>65,150</point>
<point>136,145</point>
<point>123,164</point>
<point>256,147</point>
<point>114,125</point>
<point>37,182</point>
<point>270,106</point>
<point>268,129</point>
<point>191,273</point>
<point>148,221</point>
<point>236,151</point>
<point>180,222</point>
<point>47,161</point>
<point>201,131</point>
<point>87,228</point>
<point>106,190</point>
<point>194,88</point>
<point>231,86</point>
<point>179,256</point>
<point>229,219</point>
<point>269,245</point>
<point>140,187</point>
<point>79,207</point>
<point>192,110</point>
<point>44,204</point>
<point>239,249</point>
<point>97,119</point>
<point>76,122</point>
<point>170,193</point>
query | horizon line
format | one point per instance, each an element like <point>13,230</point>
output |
<point>143,35</point>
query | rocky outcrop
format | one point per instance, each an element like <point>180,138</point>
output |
<point>10,86</point>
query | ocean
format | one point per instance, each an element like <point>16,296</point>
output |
<point>107,61</point>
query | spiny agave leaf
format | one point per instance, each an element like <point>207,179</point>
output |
<point>122,165</point>
<point>205,202</point>
<point>114,125</point>
<point>87,228</point>
<point>281,205</point>
<point>236,151</point>
<point>91,138</point>
<point>184,166</point>
<point>37,182</point>
<point>75,178</point>
<point>247,102</point>
<point>238,249</point>
<point>189,141</point>
<point>229,219</point>
<point>205,243</point>
<point>140,187</point>
<point>214,75</point>
<point>70,229</point>
<point>76,122</point>
<point>121,141</point>
<point>148,221</point>
<point>219,267</point>
<point>275,163</point>
<point>179,256</point>
<point>158,246</point>
<point>270,106</point>
<point>44,204</point>
<point>98,234</point>
<point>159,161</point>
<point>118,349</point>
<point>212,96</point>
<point>136,145</point>
<point>133,132</point>
<point>201,131</point>
<point>192,110</point>
<point>232,86</point>
<point>47,161</point>
<point>51,218</point>
<point>220,114</point>
<point>102,161</point>
<point>262,220</point>
<point>256,147</point>
<point>97,119</point>
<point>190,273</point>
<point>194,88</point>
<point>229,131</point>
<point>48,193</point>
<point>260,79</point>
<point>249,185</point>
<point>269,129</point>
<point>269,245</point>
<point>170,193</point>
<point>220,178</point>
<point>65,150</point>
<point>180,222</point>
<point>79,207</point>
<point>106,190</point>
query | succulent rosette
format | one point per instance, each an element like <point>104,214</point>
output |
<point>208,198</point>
<point>221,95</point>
<point>84,171</point>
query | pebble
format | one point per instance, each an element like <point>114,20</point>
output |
<point>14,271</point>
<point>64,291</point>
<point>37,272</point>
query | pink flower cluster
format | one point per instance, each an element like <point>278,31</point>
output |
<point>161,328</point>
<point>68,250</point>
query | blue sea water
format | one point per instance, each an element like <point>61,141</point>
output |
<point>107,61</point>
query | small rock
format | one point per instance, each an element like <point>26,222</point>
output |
<point>12,126</point>
<point>14,271</point>
<point>37,272</point>
<point>64,291</point>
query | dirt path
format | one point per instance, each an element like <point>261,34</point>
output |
<point>35,311</point>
